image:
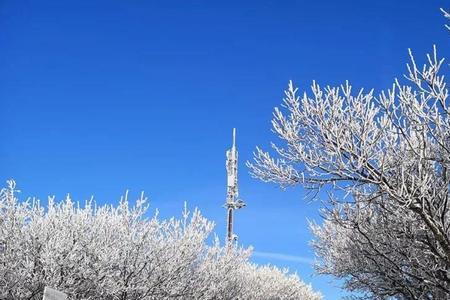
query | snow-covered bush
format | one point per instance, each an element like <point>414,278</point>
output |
<point>108,252</point>
<point>269,282</point>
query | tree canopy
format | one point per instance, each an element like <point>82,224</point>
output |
<point>388,233</point>
<point>108,252</point>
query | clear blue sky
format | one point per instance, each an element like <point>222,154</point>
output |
<point>102,96</point>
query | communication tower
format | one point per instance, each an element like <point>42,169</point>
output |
<point>232,201</point>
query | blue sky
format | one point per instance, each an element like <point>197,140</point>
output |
<point>102,96</point>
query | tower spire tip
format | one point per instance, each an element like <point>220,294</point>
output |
<point>234,137</point>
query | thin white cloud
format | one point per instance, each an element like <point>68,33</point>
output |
<point>286,257</point>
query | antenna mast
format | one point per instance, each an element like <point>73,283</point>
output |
<point>232,201</point>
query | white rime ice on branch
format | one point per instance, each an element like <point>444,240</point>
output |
<point>107,252</point>
<point>390,154</point>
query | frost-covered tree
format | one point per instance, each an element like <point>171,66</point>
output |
<point>388,155</point>
<point>381,249</point>
<point>107,252</point>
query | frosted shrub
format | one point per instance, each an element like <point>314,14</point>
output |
<point>108,252</point>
